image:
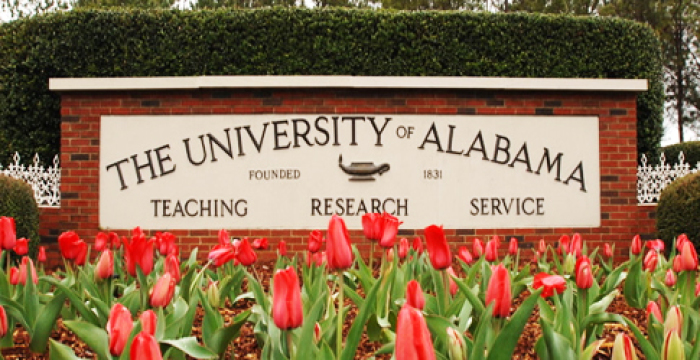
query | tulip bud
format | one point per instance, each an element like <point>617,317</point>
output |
<point>457,347</point>
<point>689,258</point>
<point>670,279</point>
<point>499,292</point>
<point>464,255</point>
<point>636,245</point>
<point>584,273</point>
<point>674,320</point>
<point>541,247</point>
<point>213,294</point>
<point>673,347</point>
<point>390,227</point>
<point>438,249</point>
<point>282,248</point>
<point>569,263</point>
<point>224,238</point>
<point>623,349</point>
<point>105,266</point>
<point>563,245</point>
<point>338,248</point>
<point>245,254</point>
<point>317,333</point>
<point>3,322</point>
<point>412,336</point>
<point>172,266</point>
<point>14,276</point>
<point>491,253</point>
<point>576,245</point>
<point>41,257</point>
<point>27,263</point>
<point>414,295</point>
<point>654,310</point>
<point>478,248</point>
<point>650,261</point>
<point>453,284</point>
<point>513,247</point>
<point>315,241</point>
<point>287,309</point>
<point>145,347</point>
<point>607,251</point>
<point>680,240</point>
<point>163,291</point>
<point>119,327</point>
<point>403,248</point>
<point>149,322</point>
<point>677,264</point>
<point>417,244</point>
<point>260,244</point>
<point>8,233</point>
<point>390,255</point>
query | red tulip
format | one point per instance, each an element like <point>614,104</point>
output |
<point>82,254</point>
<point>670,279</point>
<point>316,239</point>
<point>550,283</point>
<point>491,253</point>
<point>162,291</point>
<point>119,326</point>
<point>584,273</point>
<point>650,260</point>
<point>282,248</point>
<point>21,247</point>
<point>145,347</point>
<point>138,251</point>
<point>542,247</point>
<point>101,240</point>
<point>657,245</point>
<point>338,248</point>
<point>438,249</point>
<point>414,295</point>
<point>14,276</point>
<point>286,300</point>
<point>677,264</point>
<point>498,291</point>
<point>576,245</point>
<point>563,244</point>
<point>372,226</point>
<point>26,261</point>
<point>636,245</point>
<point>316,258</point>
<point>221,254</point>
<point>3,322</point>
<point>390,227</point>
<point>224,238</point>
<point>149,322</point>
<point>607,250</point>
<point>478,248</point>
<point>418,245</point>
<point>104,269</point>
<point>8,233</point>
<point>453,284</point>
<point>513,247</point>
<point>172,266</point>
<point>41,257</point>
<point>413,340</point>
<point>464,255</point>
<point>689,258</point>
<point>680,240</point>
<point>246,255</point>
<point>403,248</point>
<point>71,246</point>
<point>260,244</point>
<point>165,243</point>
<point>654,310</point>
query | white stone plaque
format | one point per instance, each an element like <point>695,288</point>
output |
<point>293,171</point>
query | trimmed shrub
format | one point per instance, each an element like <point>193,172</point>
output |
<point>125,43</point>
<point>17,201</point>
<point>690,149</point>
<point>678,210</point>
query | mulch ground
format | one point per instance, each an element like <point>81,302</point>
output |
<point>246,347</point>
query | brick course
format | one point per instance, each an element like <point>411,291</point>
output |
<point>621,217</point>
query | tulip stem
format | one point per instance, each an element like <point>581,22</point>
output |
<point>371,257</point>
<point>446,299</point>
<point>341,300</point>
<point>290,344</point>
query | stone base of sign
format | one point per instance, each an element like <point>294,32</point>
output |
<point>621,216</point>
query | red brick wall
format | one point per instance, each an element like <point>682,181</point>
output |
<point>621,217</point>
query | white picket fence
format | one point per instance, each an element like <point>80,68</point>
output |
<point>46,181</point>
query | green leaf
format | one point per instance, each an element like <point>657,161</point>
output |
<point>223,336</point>
<point>96,338</point>
<point>353,339</point>
<point>649,352</point>
<point>45,323</point>
<point>58,351</point>
<point>191,347</point>
<point>75,300</point>
<point>308,350</point>
<point>558,346</point>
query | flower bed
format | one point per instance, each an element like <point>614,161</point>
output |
<point>139,298</point>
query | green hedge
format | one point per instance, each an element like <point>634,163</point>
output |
<point>678,211</point>
<point>690,149</point>
<point>17,201</point>
<point>308,42</point>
